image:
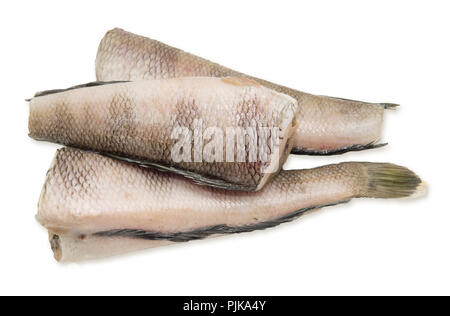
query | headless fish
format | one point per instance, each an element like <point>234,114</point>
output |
<point>327,125</point>
<point>230,133</point>
<point>95,206</point>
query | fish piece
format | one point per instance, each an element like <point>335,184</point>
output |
<point>94,206</point>
<point>327,125</point>
<point>225,132</point>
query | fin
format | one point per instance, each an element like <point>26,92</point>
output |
<point>337,151</point>
<point>204,232</point>
<point>386,180</point>
<point>195,177</point>
<point>86,85</point>
<point>385,105</point>
<point>390,106</point>
<point>55,244</point>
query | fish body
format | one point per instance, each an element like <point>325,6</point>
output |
<point>226,132</point>
<point>327,125</point>
<point>94,206</point>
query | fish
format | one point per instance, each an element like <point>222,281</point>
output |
<point>95,206</point>
<point>231,133</point>
<point>327,125</point>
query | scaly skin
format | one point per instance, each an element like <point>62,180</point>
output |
<point>136,121</point>
<point>95,206</point>
<point>326,124</point>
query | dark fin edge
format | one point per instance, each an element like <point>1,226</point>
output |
<point>390,106</point>
<point>386,105</point>
<point>195,177</point>
<point>86,85</point>
<point>204,232</point>
<point>55,244</point>
<point>338,151</point>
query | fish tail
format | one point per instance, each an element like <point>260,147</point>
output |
<point>386,180</point>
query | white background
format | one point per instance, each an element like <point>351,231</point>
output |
<point>382,51</point>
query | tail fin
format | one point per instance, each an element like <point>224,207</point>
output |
<point>385,180</point>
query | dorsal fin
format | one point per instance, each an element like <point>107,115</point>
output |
<point>383,104</point>
<point>86,85</point>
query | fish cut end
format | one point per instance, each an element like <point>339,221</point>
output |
<point>386,180</point>
<point>281,153</point>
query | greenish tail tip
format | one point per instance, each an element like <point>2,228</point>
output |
<point>386,180</point>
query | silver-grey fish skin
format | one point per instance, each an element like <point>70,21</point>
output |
<point>136,121</point>
<point>95,206</point>
<point>326,124</point>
